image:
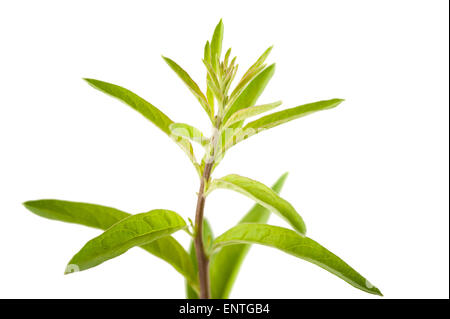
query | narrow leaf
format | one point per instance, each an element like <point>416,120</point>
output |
<point>297,245</point>
<point>284,116</point>
<point>251,72</point>
<point>146,109</point>
<point>136,102</point>
<point>190,132</point>
<point>263,195</point>
<point>209,92</point>
<point>135,230</point>
<point>278,118</point>
<point>103,217</point>
<point>193,87</point>
<point>216,45</point>
<point>251,93</point>
<point>225,264</point>
<point>251,111</point>
<point>207,52</point>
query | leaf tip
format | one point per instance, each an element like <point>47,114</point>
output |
<point>71,268</point>
<point>337,102</point>
<point>271,68</point>
<point>30,204</point>
<point>372,289</point>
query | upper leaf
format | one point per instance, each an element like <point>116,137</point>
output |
<point>276,119</point>
<point>216,45</point>
<point>252,71</point>
<point>225,264</point>
<point>136,102</point>
<point>190,132</point>
<point>298,246</point>
<point>284,116</point>
<point>193,87</point>
<point>263,195</point>
<point>209,92</point>
<point>251,92</point>
<point>207,52</point>
<point>251,111</point>
<point>145,108</point>
<point>135,230</point>
<point>103,217</point>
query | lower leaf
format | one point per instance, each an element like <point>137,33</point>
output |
<point>135,230</point>
<point>297,245</point>
<point>102,217</point>
<point>225,264</point>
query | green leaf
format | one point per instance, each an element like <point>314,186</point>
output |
<point>251,111</point>
<point>190,132</point>
<point>103,217</point>
<point>297,245</point>
<point>193,87</point>
<point>212,80</point>
<point>209,92</point>
<point>284,116</point>
<point>225,264</point>
<point>216,45</point>
<point>278,118</point>
<point>252,71</point>
<point>251,92</point>
<point>263,195</point>
<point>135,230</point>
<point>136,102</point>
<point>146,109</point>
<point>208,238</point>
<point>207,52</point>
<point>91,215</point>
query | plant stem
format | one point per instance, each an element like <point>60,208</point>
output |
<point>202,259</point>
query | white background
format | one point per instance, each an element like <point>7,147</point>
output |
<point>370,177</point>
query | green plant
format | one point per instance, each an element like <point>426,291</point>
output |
<point>219,258</point>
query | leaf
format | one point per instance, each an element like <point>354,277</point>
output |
<point>225,59</point>
<point>216,45</point>
<point>297,245</point>
<point>252,71</point>
<point>135,230</point>
<point>251,111</point>
<point>209,92</point>
<point>263,195</point>
<point>278,118</point>
<point>207,52</point>
<point>136,102</point>
<point>190,132</point>
<point>251,92</point>
<point>212,79</point>
<point>146,109</point>
<point>103,217</point>
<point>208,239</point>
<point>193,87</point>
<point>284,116</point>
<point>225,264</point>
